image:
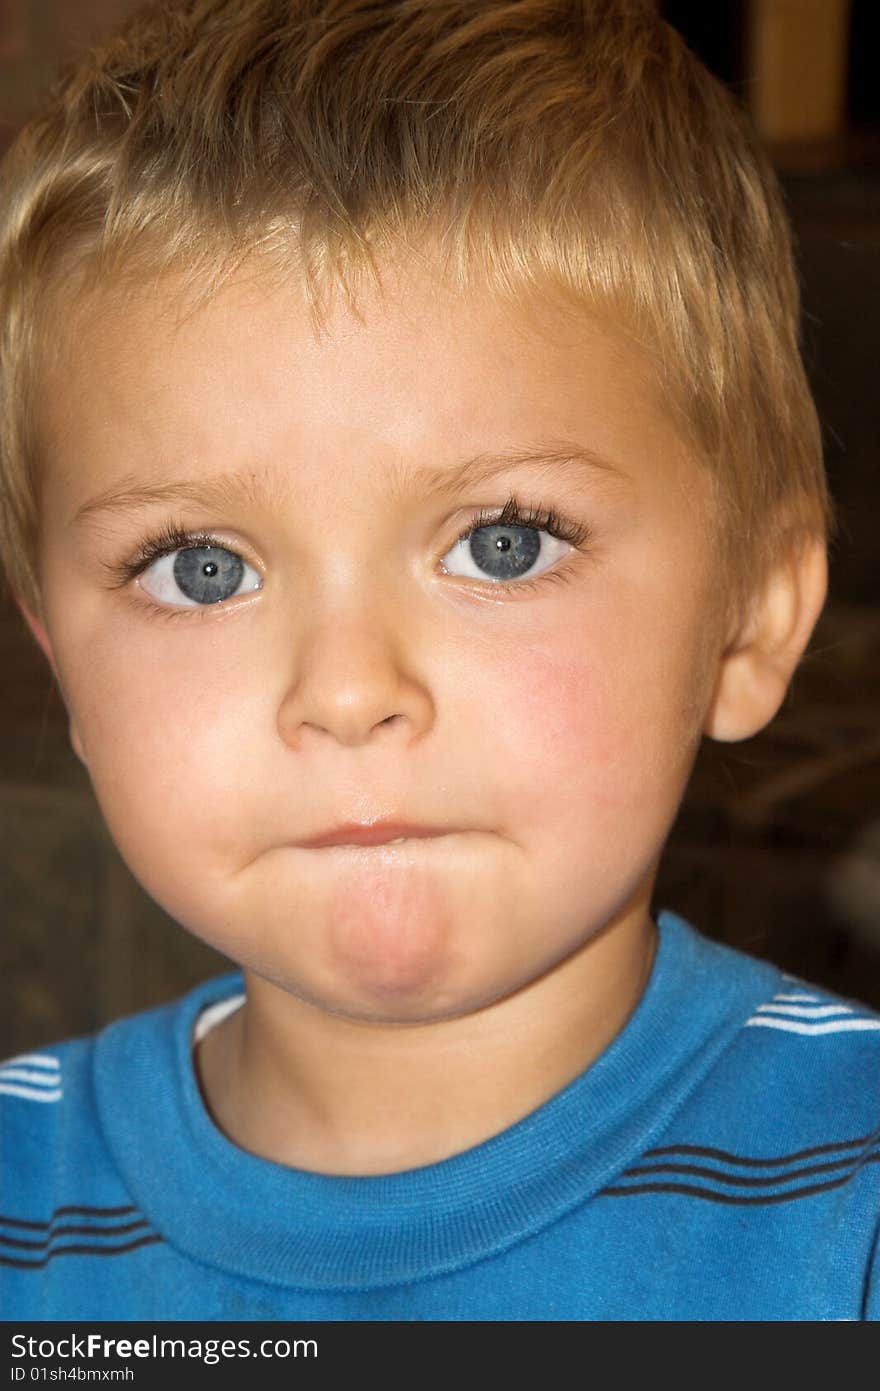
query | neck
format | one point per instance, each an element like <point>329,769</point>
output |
<point>312,1090</point>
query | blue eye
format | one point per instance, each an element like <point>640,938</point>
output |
<point>197,575</point>
<point>498,552</point>
<point>506,548</point>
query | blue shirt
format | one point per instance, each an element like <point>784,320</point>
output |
<point>719,1160</point>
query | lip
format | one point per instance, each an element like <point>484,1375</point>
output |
<point>376,833</point>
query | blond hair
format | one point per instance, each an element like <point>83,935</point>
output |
<point>564,145</point>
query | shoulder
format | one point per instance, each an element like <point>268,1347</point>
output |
<point>790,1105</point>
<point>772,1147</point>
<point>60,1181</point>
<point>51,1090</point>
<point>784,1039</point>
<point>811,1046</point>
<point>56,1178</point>
<point>40,1091</point>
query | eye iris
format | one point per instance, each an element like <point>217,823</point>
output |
<point>513,550</point>
<point>208,574</point>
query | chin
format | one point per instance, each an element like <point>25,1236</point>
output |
<point>393,942</point>
<point>406,987</point>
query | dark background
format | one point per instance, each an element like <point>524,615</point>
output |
<point>777,846</point>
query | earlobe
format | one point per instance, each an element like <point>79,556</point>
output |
<point>44,642</point>
<point>757,665</point>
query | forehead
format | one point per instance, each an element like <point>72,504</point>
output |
<point>155,383</point>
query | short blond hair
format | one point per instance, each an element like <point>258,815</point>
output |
<point>559,145</point>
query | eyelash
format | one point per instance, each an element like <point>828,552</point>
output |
<point>173,537</point>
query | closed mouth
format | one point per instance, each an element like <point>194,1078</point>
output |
<point>360,837</point>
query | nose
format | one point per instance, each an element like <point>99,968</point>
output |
<point>351,679</point>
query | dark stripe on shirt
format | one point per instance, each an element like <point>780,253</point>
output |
<point>82,1251</point>
<point>708,1153</point>
<point>72,1230</point>
<point>744,1180</point>
<point>715,1196</point>
<point>66,1211</point>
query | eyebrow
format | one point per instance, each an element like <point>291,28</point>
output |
<point>556,463</point>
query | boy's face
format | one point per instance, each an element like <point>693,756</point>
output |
<point>378,671</point>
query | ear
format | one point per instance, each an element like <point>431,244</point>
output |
<point>43,641</point>
<point>759,661</point>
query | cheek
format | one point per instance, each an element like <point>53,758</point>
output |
<point>590,739</point>
<point>165,746</point>
<point>552,733</point>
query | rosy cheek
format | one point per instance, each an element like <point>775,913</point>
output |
<point>556,713</point>
<point>548,746</point>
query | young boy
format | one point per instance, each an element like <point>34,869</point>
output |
<point>406,460</point>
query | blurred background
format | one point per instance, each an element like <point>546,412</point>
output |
<point>777,846</point>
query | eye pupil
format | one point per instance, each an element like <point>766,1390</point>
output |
<point>503,543</point>
<point>210,568</point>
